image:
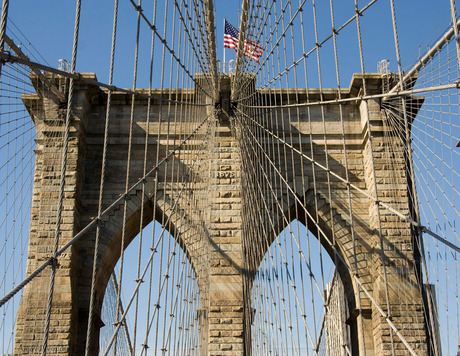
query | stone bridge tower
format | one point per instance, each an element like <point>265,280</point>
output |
<point>225,279</point>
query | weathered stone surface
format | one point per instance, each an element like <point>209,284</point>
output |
<point>221,202</point>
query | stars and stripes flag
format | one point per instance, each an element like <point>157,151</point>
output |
<point>251,49</point>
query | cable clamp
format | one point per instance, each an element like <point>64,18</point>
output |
<point>53,260</point>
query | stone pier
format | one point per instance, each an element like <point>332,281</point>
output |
<point>215,248</point>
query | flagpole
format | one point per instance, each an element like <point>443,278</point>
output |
<point>224,50</point>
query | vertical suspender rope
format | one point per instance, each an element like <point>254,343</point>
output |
<point>170,179</point>
<point>326,151</point>
<point>144,170</point>
<point>350,206</point>
<point>128,171</point>
<point>313,168</point>
<point>302,166</point>
<point>179,134</point>
<point>3,22</point>
<point>101,188</point>
<point>276,183</point>
<point>149,104</point>
<point>286,173</point>
<point>296,186</point>
<point>371,149</point>
<point>326,154</point>
<point>183,112</point>
<point>410,170</point>
<point>163,217</point>
<point>62,182</point>
<point>167,342</point>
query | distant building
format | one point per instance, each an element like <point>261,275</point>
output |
<point>336,331</point>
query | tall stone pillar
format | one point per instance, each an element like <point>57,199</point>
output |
<point>394,270</point>
<point>49,117</point>
<point>226,302</point>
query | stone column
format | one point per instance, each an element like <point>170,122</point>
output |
<point>49,118</point>
<point>401,289</point>
<point>226,302</point>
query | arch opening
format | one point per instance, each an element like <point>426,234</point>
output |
<point>163,312</point>
<point>158,279</point>
<point>298,298</point>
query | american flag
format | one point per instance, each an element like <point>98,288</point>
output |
<point>251,49</point>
